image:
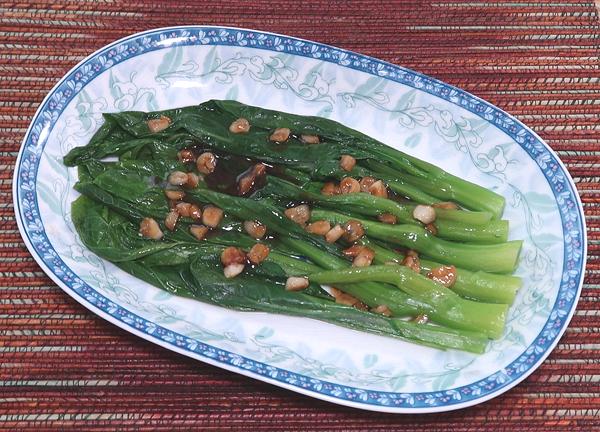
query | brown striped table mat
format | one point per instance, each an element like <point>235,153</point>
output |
<point>62,368</point>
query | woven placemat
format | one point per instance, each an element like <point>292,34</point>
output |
<point>63,368</point>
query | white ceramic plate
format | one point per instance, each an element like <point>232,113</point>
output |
<point>181,66</point>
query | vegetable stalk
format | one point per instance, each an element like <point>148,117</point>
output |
<point>497,258</point>
<point>451,309</point>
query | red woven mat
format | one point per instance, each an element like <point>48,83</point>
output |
<point>63,368</point>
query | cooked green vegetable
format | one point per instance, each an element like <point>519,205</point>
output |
<point>258,210</point>
<point>498,258</point>
<point>491,231</point>
<point>414,171</point>
<point>480,286</point>
<point>450,307</point>
<point>193,270</point>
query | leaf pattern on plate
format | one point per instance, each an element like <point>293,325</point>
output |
<point>269,71</point>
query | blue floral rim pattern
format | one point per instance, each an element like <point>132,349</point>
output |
<point>558,179</point>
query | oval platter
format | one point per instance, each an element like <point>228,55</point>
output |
<point>172,67</point>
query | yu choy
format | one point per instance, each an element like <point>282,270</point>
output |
<point>259,210</point>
